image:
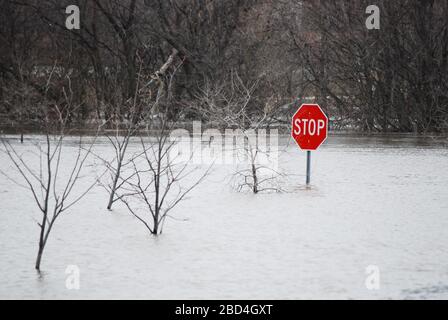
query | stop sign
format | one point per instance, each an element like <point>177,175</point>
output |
<point>309,126</point>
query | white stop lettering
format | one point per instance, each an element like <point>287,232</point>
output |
<point>308,126</point>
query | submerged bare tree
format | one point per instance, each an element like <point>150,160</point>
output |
<point>231,105</point>
<point>46,172</point>
<point>158,181</point>
<point>119,129</point>
<point>156,175</point>
<point>128,117</point>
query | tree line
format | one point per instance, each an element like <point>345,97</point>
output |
<point>393,79</point>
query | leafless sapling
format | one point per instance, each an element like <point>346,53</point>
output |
<point>160,180</point>
<point>231,106</point>
<point>48,169</point>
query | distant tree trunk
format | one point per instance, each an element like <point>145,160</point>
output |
<point>39,255</point>
<point>255,178</point>
<point>114,185</point>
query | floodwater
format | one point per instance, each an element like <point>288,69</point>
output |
<point>375,203</point>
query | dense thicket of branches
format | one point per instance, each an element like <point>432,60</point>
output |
<point>392,79</point>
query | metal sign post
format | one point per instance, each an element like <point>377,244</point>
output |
<point>308,167</point>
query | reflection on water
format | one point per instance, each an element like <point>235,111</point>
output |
<point>431,292</point>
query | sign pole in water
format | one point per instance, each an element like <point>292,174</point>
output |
<point>308,167</point>
<point>309,131</point>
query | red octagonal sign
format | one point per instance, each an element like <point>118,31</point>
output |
<point>309,126</point>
